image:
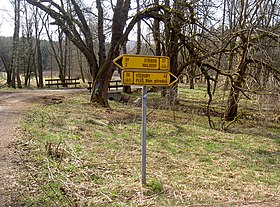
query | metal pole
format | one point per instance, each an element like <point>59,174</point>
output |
<point>144,123</point>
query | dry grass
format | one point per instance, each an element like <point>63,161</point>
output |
<point>95,155</point>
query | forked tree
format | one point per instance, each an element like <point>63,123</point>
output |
<point>75,26</point>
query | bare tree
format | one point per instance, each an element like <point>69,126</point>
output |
<point>236,52</point>
<point>71,23</point>
<point>38,31</point>
<point>105,72</point>
<point>5,58</point>
<point>28,46</point>
<point>15,57</point>
<point>248,36</point>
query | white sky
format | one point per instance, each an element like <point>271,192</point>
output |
<point>6,18</point>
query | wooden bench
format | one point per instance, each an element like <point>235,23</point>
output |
<point>114,84</point>
<point>57,82</point>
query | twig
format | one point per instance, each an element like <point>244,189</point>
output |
<point>106,196</point>
<point>234,120</point>
<point>234,203</point>
<point>50,172</point>
<point>113,163</point>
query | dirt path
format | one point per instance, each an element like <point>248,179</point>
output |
<point>12,106</point>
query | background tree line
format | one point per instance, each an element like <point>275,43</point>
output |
<point>233,44</point>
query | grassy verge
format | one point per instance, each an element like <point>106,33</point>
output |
<point>75,154</point>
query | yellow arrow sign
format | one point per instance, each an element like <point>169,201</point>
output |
<point>142,62</point>
<point>148,78</point>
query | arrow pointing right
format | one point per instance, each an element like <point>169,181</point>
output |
<point>173,79</point>
<point>143,78</point>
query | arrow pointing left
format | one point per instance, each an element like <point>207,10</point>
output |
<point>142,62</point>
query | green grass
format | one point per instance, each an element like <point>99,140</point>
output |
<point>187,161</point>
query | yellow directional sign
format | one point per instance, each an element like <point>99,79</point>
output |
<point>142,62</point>
<point>148,78</point>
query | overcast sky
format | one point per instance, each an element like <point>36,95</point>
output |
<point>6,18</point>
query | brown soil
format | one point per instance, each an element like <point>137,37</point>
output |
<point>12,107</point>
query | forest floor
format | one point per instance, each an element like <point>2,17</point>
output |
<point>13,104</point>
<point>57,149</point>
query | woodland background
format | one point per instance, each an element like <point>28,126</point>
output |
<point>228,44</point>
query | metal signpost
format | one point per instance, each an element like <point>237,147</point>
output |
<point>145,71</point>
<point>144,125</point>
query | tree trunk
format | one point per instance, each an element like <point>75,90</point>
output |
<point>191,77</point>
<point>139,43</point>
<point>15,56</point>
<point>19,81</point>
<point>9,77</point>
<point>9,74</point>
<point>100,90</point>
<point>167,39</point>
<point>105,72</point>
<point>63,48</point>
<point>231,111</point>
<point>157,33</point>
<point>232,103</point>
<point>40,64</point>
<point>173,52</point>
<point>101,36</point>
<point>80,61</point>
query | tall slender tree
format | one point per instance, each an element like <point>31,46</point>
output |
<point>16,81</point>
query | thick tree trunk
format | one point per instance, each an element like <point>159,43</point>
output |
<point>191,77</point>
<point>9,77</point>
<point>173,52</point>
<point>231,111</point>
<point>100,90</point>
<point>105,72</point>
<point>232,103</point>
